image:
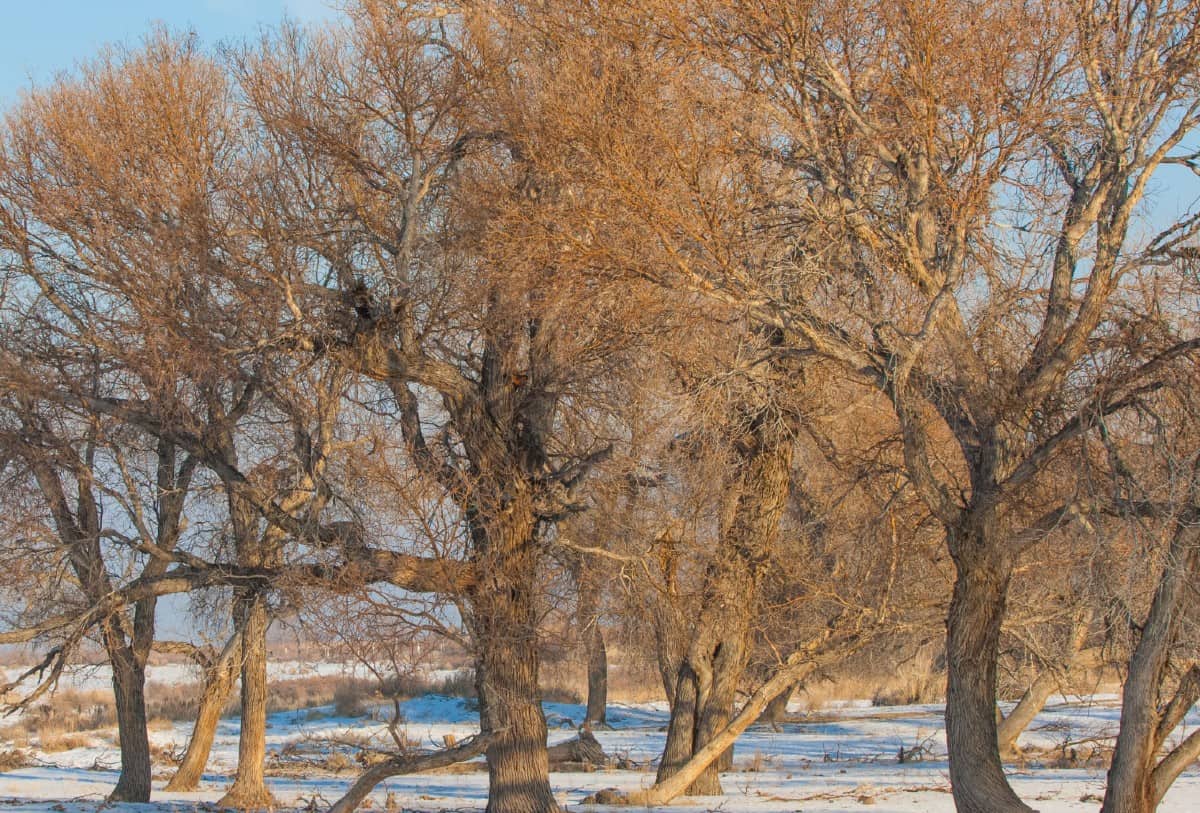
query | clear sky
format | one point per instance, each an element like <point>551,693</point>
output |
<point>39,38</point>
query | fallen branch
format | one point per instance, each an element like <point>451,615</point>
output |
<point>410,763</point>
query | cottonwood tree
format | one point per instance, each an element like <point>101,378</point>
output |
<point>126,205</point>
<point>106,511</point>
<point>489,351</point>
<point>962,184</point>
<point>87,289</point>
<point>218,674</point>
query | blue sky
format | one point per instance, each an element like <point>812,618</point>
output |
<point>39,38</point>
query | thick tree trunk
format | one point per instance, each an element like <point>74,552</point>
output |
<point>249,790</point>
<point>129,689</point>
<point>704,694</point>
<point>1132,785</point>
<point>681,729</point>
<point>518,766</point>
<point>504,631</point>
<point>716,709</point>
<point>712,668</point>
<point>972,642</point>
<point>218,683</point>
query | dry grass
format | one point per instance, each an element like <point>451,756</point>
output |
<point>915,681</point>
<point>57,743</point>
<point>629,680</point>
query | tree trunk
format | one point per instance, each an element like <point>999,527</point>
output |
<point>129,689</point>
<point>518,766</point>
<point>664,790</point>
<point>597,699</point>
<point>681,730</point>
<point>218,683</point>
<point>773,714</point>
<point>587,620</point>
<point>972,643</point>
<point>713,665</point>
<point>249,790</point>
<point>1131,777</point>
<point>716,709</point>
<point>1028,707</point>
<point>1009,728</point>
<point>504,631</point>
<point>704,695</point>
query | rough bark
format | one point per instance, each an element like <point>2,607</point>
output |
<point>129,684</point>
<point>681,726</point>
<point>218,683</point>
<point>597,698</point>
<point>728,665</point>
<point>504,634</point>
<point>406,764</point>
<point>708,677</point>
<point>972,642</point>
<point>1132,785</point>
<point>249,790</point>
<point>666,789</point>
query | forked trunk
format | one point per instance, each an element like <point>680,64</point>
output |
<point>972,642</point>
<point>249,790</point>
<point>703,706</point>
<point>1132,784</point>
<point>218,683</point>
<point>664,790</point>
<point>712,669</point>
<point>129,689</point>
<point>681,729</point>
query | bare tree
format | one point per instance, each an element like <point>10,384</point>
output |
<point>434,297</point>
<point>956,192</point>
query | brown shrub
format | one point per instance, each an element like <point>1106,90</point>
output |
<point>13,759</point>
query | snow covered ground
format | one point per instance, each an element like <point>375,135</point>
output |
<point>98,677</point>
<point>844,757</point>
